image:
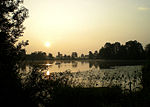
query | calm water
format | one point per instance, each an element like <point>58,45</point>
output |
<point>75,66</point>
<point>126,74</point>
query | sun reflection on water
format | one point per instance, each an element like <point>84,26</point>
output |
<point>47,73</point>
<point>48,64</point>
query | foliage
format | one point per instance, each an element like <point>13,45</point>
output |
<point>91,56</point>
<point>37,56</point>
<point>40,87</point>
<point>147,51</point>
<point>12,16</point>
<point>131,50</point>
<point>145,76</point>
<point>50,56</point>
<point>54,90</point>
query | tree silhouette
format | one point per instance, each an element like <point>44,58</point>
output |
<point>131,50</point>
<point>147,51</point>
<point>91,56</point>
<point>106,52</point>
<point>50,56</point>
<point>12,16</point>
<point>134,50</point>
<point>37,56</point>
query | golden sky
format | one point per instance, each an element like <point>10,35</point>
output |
<point>84,25</point>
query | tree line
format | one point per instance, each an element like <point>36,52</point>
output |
<point>39,55</point>
<point>131,50</point>
<point>14,93</point>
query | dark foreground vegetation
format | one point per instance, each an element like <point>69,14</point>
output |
<point>54,90</point>
<point>37,90</point>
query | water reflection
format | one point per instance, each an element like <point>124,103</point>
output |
<point>47,73</point>
<point>92,73</point>
<point>48,64</point>
<point>74,64</point>
<point>61,66</point>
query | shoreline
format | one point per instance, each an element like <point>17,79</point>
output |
<point>98,60</point>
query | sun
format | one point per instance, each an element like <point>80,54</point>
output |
<point>47,44</point>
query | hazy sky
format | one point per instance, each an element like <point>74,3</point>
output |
<point>84,25</point>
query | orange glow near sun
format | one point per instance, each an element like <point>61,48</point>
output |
<point>47,44</point>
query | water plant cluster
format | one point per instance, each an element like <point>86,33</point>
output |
<point>45,89</point>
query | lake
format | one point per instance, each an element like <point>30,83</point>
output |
<point>92,73</point>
